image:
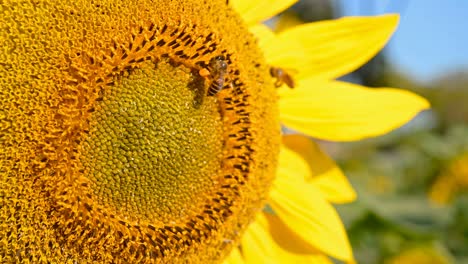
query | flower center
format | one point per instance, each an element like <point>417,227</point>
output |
<point>154,146</point>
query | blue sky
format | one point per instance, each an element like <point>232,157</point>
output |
<point>432,37</point>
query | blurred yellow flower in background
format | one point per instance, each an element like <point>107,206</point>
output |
<point>299,224</point>
<point>422,254</point>
<point>452,181</point>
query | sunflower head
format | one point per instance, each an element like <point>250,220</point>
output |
<point>114,140</point>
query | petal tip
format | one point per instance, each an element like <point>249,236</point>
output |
<point>420,102</point>
<point>392,19</point>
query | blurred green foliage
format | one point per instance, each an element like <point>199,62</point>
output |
<point>393,176</point>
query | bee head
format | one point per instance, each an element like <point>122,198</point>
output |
<point>218,62</point>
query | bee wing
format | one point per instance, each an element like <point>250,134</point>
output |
<point>291,71</point>
<point>288,76</point>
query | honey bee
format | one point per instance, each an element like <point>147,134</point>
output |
<point>282,77</point>
<point>217,71</point>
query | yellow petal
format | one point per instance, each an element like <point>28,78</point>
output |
<point>342,111</point>
<point>291,247</point>
<point>293,164</point>
<point>277,52</point>
<point>304,210</point>
<point>257,247</point>
<point>234,257</point>
<point>281,245</point>
<point>287,20</point>
<point>325,174</point>
<point>335,47</point>
<point>254,12</point>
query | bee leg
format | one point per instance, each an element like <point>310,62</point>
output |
<point>204,72</point>
<point>278,83</point>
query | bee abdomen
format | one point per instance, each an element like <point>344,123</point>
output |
<point>215,87</point>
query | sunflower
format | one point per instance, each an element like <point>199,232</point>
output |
<point>148,131</point>
<point>299,225</point>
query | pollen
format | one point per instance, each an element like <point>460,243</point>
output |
<point>111,150</point>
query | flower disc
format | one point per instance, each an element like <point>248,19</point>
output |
<point>113,151</point>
